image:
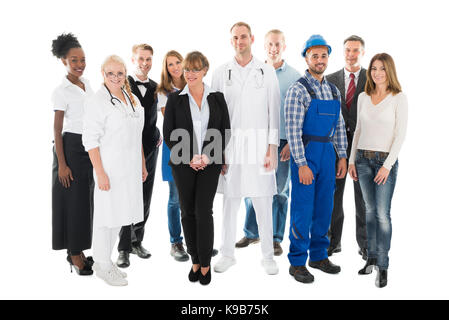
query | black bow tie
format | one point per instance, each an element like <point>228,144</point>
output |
<point>145,84</point>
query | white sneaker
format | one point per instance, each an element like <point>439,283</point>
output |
<point>111,277</point>
<point>120,272</point>
<point>270,266</point>
<point>224,264</point>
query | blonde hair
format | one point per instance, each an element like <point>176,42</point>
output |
<point>166,84</point>
<point>275,31</point>
<point>195,60</point>
<point>393,83</point>
<point>117,59</point>
<point>241,24</point>
<point>142,46</point>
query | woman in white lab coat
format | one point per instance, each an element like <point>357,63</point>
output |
<point>112,135</point>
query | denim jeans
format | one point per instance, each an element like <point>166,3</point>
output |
<point>378,203</point>
<point>174,214</point>
<point>280,202</point>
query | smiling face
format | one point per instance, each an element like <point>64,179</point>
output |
<point>317,59</point>
<point>174,67</point>
<point>354,52</point>
<point>378,73</point>
<point>114,74</point>
<point>143,61</point>
<point>75,62</point>
<point>241,40</point>
<point>274,47</point>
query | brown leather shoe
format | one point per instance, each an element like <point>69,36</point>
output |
<point>244,242</point>
<point>277,248</point>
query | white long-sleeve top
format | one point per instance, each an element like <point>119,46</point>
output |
<point>381,127</point>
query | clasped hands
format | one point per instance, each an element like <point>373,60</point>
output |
<point>199,162</point>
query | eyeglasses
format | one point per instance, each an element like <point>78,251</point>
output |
<point>111,75</point>
<point>195,71</point>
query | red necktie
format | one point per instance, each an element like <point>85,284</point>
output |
<point>350,92</point>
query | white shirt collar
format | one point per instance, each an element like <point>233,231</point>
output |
<point>133,75</point>
<point>207,90</point>
<point>356,74</point>
<point>66,82</point>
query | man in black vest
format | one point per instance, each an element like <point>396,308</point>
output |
<point>131,237</point>
<point>351,82</point>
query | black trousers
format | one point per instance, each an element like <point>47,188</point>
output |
<point>72,208</point>
<point>133,234</point>
<point>196,191</point>
<point>336,227</point>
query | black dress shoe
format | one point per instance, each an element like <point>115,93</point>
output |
<point>369,266</point>
<point>381,278</point>
<point>333,249</point>
<point>301,274</point>
<point>325,266</point>
<point>123,259</point>
<point>244,242</point>
<point>364,254</point>
<point>140,251</point>
<point>194,276</point>
<point>205,279</point>
<point>214,252</point>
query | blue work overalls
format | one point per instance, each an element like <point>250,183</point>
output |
<point>311,205</point>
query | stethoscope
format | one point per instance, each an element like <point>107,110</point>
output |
<point>114,98</point>
<point>259,80</point>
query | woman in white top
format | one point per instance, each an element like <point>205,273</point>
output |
<point>72,185</point>
<point>172,80</point>
<point>112,135</point>
<point>381,127</point>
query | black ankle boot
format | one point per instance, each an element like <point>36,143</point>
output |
<point>368,268</point>
<point>381,279</point>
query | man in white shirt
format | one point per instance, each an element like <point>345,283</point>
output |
<point>351,82</point>
<point>251,91</point>
<point>274,48</point>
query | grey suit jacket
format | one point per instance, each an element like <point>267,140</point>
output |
<point>338,79</point>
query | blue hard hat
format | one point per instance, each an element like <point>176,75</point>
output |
<point>313,41</point>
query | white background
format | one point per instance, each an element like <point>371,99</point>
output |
<point>411,31</point>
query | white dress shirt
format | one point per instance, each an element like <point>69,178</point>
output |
<point>200,117</point>
<point>348,78</point>
<point>70,98</point>
<point>142,88</point>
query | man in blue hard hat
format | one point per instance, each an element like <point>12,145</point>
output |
<point>314,126</point>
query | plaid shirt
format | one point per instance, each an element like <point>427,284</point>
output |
<point>297,102</point>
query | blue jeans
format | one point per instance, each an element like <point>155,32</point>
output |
<point>280,202</point>
<point>378,203</point>
<point>174,214</point>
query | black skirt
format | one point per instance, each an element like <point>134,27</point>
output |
<point>73,206</point>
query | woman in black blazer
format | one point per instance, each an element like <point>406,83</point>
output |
<point>195,126</point>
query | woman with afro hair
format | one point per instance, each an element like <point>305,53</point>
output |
<point>72,181</point>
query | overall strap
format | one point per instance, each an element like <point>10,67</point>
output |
<point>334,90</point>
<point>304,82</point>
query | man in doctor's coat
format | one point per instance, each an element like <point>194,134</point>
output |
<point>251,90</point>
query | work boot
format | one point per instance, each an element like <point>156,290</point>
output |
<point>301,274</point>
<point>177,251</point>
<point>277,248</point>
<point>325,266</point>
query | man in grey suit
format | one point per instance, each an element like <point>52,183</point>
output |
<point>351,82</point>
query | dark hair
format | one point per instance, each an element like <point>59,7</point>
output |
<point>390,69</point>
<point>63,43</point>
<point>355,38</point>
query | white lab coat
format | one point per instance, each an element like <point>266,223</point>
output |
<point>118,134</point>
<point>253,106</point>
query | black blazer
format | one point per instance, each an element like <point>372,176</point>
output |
<point>150,133</point>
<point>350,116</point>
<point>178,116</point>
